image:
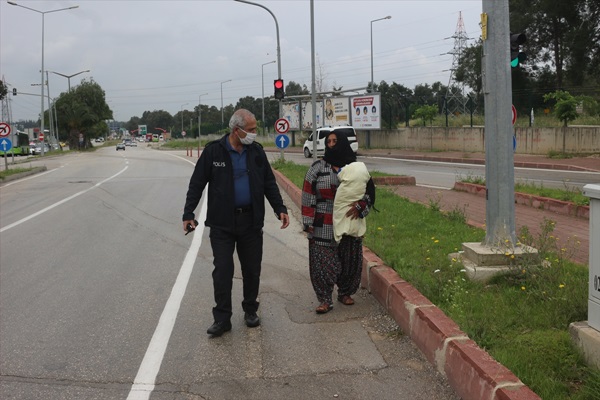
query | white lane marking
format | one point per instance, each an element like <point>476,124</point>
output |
<point>181,158</point>
<point>482,165</point>
<point>50,207</point>
<point>434,187</point>
<point>144,382</point>
<point>33,176</point>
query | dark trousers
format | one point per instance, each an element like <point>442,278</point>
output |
<point>249,245</point>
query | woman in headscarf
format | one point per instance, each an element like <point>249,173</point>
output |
<point>332,263</point>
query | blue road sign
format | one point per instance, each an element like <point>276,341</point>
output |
<point>282,141</point>
<point>5,144</point>
<point>514,143</point>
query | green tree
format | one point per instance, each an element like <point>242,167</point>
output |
<point>295,89</point>
<point>426,113</point>
<point>3,89</point>
<point>133,123</point>
<point>469,71</point>
<point>563,33</point>
<point>162,119</point>
<point>565,108</point>
<point>83,110</point>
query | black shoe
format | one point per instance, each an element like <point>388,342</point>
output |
<point>252,319</point>
<point>219,328</point>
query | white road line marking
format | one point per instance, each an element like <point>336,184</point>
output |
<point>50,207</point>
<point>32,176</point>
<point>144,382</point>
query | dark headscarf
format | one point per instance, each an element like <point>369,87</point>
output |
<point>341,154</point>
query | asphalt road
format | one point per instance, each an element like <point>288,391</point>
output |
<point>103,297</point>
<point>443,174</point>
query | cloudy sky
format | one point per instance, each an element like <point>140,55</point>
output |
<point>167,55</point>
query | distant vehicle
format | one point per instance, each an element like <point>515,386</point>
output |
<point>120,146</point>
<point>37,149</point>
<point>133,143</point>
<point>127,142</point>
<point>323,133</point>
<point>100,140</point>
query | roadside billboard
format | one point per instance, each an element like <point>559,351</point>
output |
<point>366,112</point>
<point>291,112</point>
<point>336,111</point>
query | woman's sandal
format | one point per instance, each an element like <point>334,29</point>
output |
<point>324,308</point>
<point>346,300</point>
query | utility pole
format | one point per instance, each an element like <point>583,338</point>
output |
<point>499,153</point>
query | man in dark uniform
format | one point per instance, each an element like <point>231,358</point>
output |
<point>239,177</point>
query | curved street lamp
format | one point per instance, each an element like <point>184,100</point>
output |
<point>379,19</point>
<point>222,119</point>
<point>277,33</point>
<point>263,92</point>
<point>69,76</point>
<point>43,13</point>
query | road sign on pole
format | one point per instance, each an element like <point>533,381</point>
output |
<point>5,145</point>
<point>41,137</point>
<point>282,141</point>
<point>4,129</point>
<point>282,125</point>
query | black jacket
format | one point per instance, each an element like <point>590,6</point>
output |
<point>215,168</point>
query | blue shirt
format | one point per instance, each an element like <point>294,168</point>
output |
<point>241,180</point>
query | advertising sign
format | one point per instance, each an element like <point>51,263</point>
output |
<point>336,111</point>
<point>142,130</point>
<point>292,113</point>
<point>366,112</point>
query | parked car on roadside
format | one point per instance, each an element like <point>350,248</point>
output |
<point>322,135</point>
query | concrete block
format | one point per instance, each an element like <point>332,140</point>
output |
<point>380,280</point>
<point>475,375</point>
<point>588,340</point>
<point>430,329</point>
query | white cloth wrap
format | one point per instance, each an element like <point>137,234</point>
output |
<point>353,180</point>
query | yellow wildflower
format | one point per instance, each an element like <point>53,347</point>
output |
<point>562,285</point>
<point>522,287</point>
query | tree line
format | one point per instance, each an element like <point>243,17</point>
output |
<point>562,71</point>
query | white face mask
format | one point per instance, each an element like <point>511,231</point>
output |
<point>249,139</point>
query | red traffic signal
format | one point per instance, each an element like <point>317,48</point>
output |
<point>278,85</point>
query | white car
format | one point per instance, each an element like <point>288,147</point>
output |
<point>323,133</point>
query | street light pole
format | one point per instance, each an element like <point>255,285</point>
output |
<point>181,112</point>
<point>43,13</point>
<point>278,46</point>
<point>263,92</point>
<point>199,114</point>
<point>222,119</point>
<point>375,20</point>
<point>69,76</point>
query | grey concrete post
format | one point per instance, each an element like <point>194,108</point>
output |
<point>499,166</point>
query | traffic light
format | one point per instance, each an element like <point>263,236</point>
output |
<point>516,56</point>
<point>14,91</point>
<point>278,85</point>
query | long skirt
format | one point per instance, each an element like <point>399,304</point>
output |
<point>339,265</point>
